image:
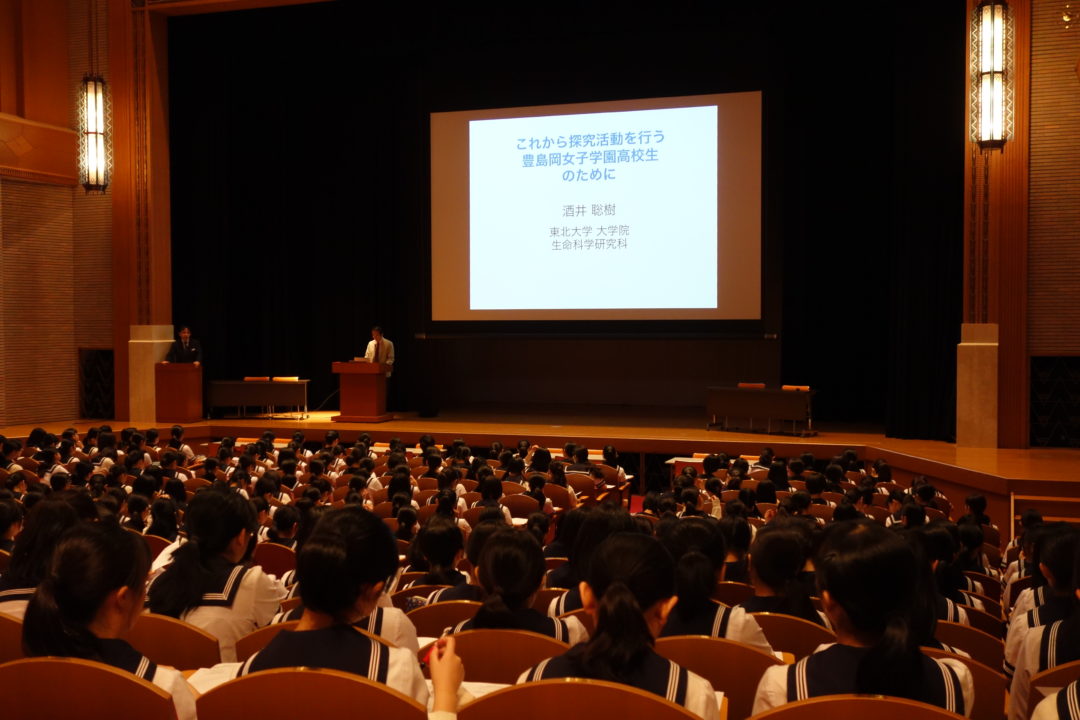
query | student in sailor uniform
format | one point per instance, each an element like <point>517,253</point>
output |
<point>1045,647</point>
<point>1056,550</point>
<point>442,545</point>
<point>869,583</point>
<point>597,525</point>
<point>775,561</point>
<point>698,549</point>
<point>207,583</point>
<point>89,601</point>
<point>30,558</point>
<point>1036,594</point>
<point>1062,705</point>
<point>511,571</point>
<point>343,568</point>
<point>630,588</point>
<point>474,548</point>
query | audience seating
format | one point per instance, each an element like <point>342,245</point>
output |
<point>172,642</point>
<point>586,698</point>
<point>401,597</point>
<point>432,620</point>
<point>544,596</point>
<point>512,488</point>
<point>275,559</point>
<point>311,693</point>
<point>500,656</point>
<point>985,621</point>
<point>982,646</point>
<point>10,638</point>
<point>154,542</point>
<point>520,506</point>
<point>730,666</point>
<point>856,707</point>
<point>990,686</point>
<point>291,603</point>
<point>50,688</point>
<point>585,617</point>
<point>1017,587</point>
<point>1055,678</point>
<point>991,585</point>
<point>732,593</point>
<point>558,495</point>
<point>787,633</point>
<point>256,640</point>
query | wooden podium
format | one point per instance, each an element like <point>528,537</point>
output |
<point>178,392</point>
<point>363,392</point>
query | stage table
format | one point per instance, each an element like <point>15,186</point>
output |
<point>768,405</point>
<point>259,393</point>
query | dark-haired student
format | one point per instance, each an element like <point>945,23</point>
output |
<point>208,584</point>
<point>511,571</point>
<point>698,549</point>
<point>90,599</point>
<point>868,579</point>
<point>474,548</point>
<point>11,521</point>
<point>775,561</point>
<point>31,556</point>
<point>343,567</point>
<point>630,589</point>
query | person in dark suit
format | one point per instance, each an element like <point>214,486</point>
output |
<point>185,349</point>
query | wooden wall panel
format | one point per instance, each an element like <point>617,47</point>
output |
<point>39,365</point>
<point>46,94</point>
<point>1054,231</point>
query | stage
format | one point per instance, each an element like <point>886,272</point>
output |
<point>1042,477</point>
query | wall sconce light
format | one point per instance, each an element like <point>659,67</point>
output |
<point>94,150</point>
<point>991,82</point>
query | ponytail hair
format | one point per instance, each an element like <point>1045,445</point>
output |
<point>629,573</point>
<point>212,520</point>
<point>91,561</point>
<point>511,570</point>
<point>871,573</point>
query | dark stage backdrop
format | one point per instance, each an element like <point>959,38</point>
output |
<point>299,141</point>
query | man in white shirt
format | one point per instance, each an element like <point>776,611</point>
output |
<point>380,350</point>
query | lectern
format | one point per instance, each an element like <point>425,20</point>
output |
<point>363,392</point>
<point>178,392</point>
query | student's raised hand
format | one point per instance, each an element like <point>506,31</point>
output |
<point>447,674</point>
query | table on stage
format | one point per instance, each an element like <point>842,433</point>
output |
<point>262,393</point>
<point>363,392</point>
<point>765,405</point>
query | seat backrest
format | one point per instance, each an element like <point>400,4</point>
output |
<point>985,621</point>
<point>544,596</point>
<point>384,509</point>
<point>732,668</point>
<point>732,593</point>
<point>32,689</point>
<point>275,559</point>
<point>500,656</point>
<point>520,506</point>
<point>1017,587</point>
<point>432,620</point>
<point>10,638</point>
<point>991,586</point>
<point>989,684</point>
<point>168,641</point>
<point>982,646</point>
<point>154,542</point>
<point>256,640</point>
<point>1055,677</point>
<point>788,633</point>
<point>512,488</point>
<point>856,707</point>
<point>324,693</point>
<point>587,699</point>
<point>400,599</point>
<point>584,617</point>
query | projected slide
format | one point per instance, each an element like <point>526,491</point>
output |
<point>618,210</point>
<point>602,201</point>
